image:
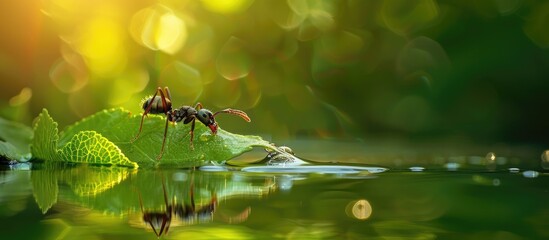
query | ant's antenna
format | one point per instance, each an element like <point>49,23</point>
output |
<point>239,113</point>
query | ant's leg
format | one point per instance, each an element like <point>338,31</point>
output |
<point>164,104</point>
<point>192,195</point>
<point>164,190</point>
<point>167,113</point>
<point>198,106</point>
<point>167,91</point>
<point>163,140</point>
<point>140,202</point>
<point>192,133</point>
<point>147,110</point>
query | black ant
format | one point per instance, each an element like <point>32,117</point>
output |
<point>163,105</point>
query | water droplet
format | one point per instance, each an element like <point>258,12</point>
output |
<point>180,176</point>
<point>452,166</point>
<point>530,174</point>
<point>545,159</point>
<point>491,157</point>
<point>417,169</point>
<point>514,170</point>
<point>214,169</point>
<point>491,161</point>
<point>233,62</point>
<point>285,183</point>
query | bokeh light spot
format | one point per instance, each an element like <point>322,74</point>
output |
<point>420,58</point>
<point>251,92</point>
<point>100,41</point>
<point>404,17</point>
<point>23,97</point>
<point>412,113</point>
<point>223,93</point>
<point>233,62</point>
<point>285,18</point>
<point>128,84</point>
<point>66,77</point>
<point>171,33</point>
<point>289,48</point>
<point>159,28</point>
<point>272,77</point>
<point>185,82</point>
<point>360,209</point>
<point>300,7</point>
<point>507,7</point>
<point>227,6</point>
<point>342,46</point>
<point>536,24</point>
<point>307,31</point>
<point>199,47</point>
<point>321,19</point>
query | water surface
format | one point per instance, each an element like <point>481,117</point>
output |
<point>431,197</point>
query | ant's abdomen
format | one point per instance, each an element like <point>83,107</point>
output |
<point>157,106</point>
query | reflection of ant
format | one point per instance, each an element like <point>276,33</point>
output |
<point>160,221</point>
<point>163,105</point>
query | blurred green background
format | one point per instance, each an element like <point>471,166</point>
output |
<point>472,71</point>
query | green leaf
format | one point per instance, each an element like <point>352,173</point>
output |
<point>120,127</point>
<point>105,138</point>
<point>91,147</point>
<point>15,139</point>
<point>84,147</point>
<point>44,142</point>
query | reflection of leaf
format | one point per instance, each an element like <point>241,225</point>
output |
<point>86,181</point>
<point>123,197</point>
<point>45,188</point>
<point>14,140</point>
<point>119,126</point>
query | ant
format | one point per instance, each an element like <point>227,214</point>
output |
<point>163,105</point>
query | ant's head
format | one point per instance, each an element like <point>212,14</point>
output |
<point>206,117</point>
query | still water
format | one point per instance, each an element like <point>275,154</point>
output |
<point>443,197</point>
